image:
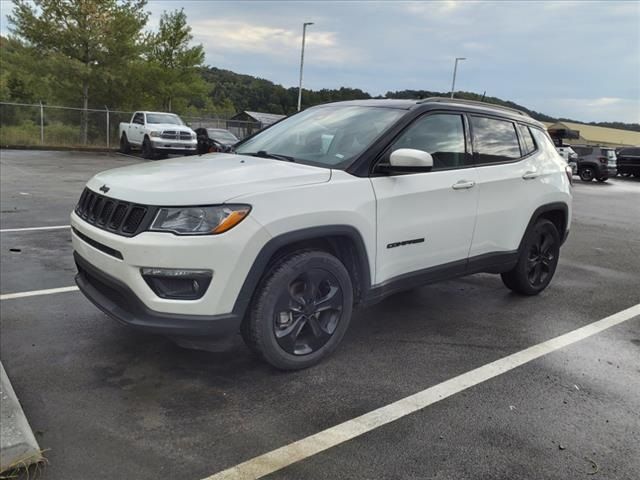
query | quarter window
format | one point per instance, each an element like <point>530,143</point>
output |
<point>494,140</point>
<point>528,143</point>
<point>441,135</point>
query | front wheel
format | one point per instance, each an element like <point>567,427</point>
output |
<point>300,311</point>
<point>147,149</point>
<point>537,262</point>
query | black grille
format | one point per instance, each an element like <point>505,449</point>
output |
<point>117,216</point>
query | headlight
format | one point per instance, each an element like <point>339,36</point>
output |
<point>199,220</point>
<point>155,134</point>
<point>193,136</point>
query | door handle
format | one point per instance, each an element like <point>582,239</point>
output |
<point>463,184</point>
<point>530,175</point>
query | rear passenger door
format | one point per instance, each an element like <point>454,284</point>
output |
<point>509,171</point>
<point>426,219</point>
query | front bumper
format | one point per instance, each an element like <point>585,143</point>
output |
<point>229,256</point>
<point>166,145</point>
<point>119,302</point>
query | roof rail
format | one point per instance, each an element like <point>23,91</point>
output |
<point>473,102</point>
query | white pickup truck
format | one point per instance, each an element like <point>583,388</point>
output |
<point>157,133</point>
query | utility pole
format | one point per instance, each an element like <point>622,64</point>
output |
<point>455,69</point>
<point>304,33</point>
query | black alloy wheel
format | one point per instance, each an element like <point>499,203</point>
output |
<point>300,310</point>
<point>308,312</point>
<point>541,259</point>
<point>537,261</point>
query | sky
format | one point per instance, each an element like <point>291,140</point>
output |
<point>575,59</point>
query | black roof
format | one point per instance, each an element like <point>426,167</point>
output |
<point>470,105</point>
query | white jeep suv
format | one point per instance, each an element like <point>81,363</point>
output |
<point>338,206</point>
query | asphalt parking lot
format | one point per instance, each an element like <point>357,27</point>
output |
<point>107,403</point>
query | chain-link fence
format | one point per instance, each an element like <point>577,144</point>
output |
<point>24,124</point>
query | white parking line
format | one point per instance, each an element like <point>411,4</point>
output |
<point>55,227</point>
<point>35,293</point>
<point>289,454</point>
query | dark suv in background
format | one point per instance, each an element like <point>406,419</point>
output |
<point>629,161</point>
<point>596,162</point>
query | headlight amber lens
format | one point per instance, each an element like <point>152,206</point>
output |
<point>199,220</point>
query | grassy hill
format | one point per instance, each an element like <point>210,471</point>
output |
<point>239,92</point>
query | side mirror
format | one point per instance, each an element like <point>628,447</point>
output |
<point>408,160</point>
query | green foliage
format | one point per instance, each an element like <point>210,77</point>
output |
<point>173,62</point>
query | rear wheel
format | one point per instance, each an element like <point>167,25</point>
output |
<point>586,174</point>
<point>125,146</point>
<point>537,262</point>
<point>300,311</point>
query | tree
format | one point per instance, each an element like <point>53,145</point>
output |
<point>175,63</point>
<point>88,36</point>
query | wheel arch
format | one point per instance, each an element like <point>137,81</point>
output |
<point>556,212</point>
<point>343,241</point>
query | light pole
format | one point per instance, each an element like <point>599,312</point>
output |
<point>304,33</point>
<point>455,69</point>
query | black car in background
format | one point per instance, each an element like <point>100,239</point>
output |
<point>629,161</point>
<point>595,162</point>
<point>215,140</point>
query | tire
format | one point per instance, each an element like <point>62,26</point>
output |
<point>125,146</point>
<point>284,326</point>
<point>586,174</point>
<point>537,262</point>
<point>147,149</point>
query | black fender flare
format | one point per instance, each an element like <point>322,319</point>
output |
<point>269,249</point>
<point>549,207</point>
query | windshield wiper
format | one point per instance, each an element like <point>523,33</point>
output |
<point>277,156</point>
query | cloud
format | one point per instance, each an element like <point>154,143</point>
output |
<point>233,36</point>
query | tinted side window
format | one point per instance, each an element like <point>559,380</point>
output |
<point>138,118</point>
<point>528,143</point>
<point>542,140</point>
<point>442,135</point>
<point>494,140</point>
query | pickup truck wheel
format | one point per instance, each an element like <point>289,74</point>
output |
<point>537,262</point>
<point>586,174</point>
<point>147,149</point>
<point>125,146</point>
<point>300,311</point>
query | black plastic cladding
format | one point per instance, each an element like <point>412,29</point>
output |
<point>116,216</point>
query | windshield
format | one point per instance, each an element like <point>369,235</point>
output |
<point>222,135</point>
<point>331,136</point>
<point>164,118</point>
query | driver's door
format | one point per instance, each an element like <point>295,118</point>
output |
<point>426,220</point>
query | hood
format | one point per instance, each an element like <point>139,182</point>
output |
<point>169,126</point>
<point>203,180</point>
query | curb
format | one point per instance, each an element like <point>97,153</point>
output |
<point>18,446</point>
